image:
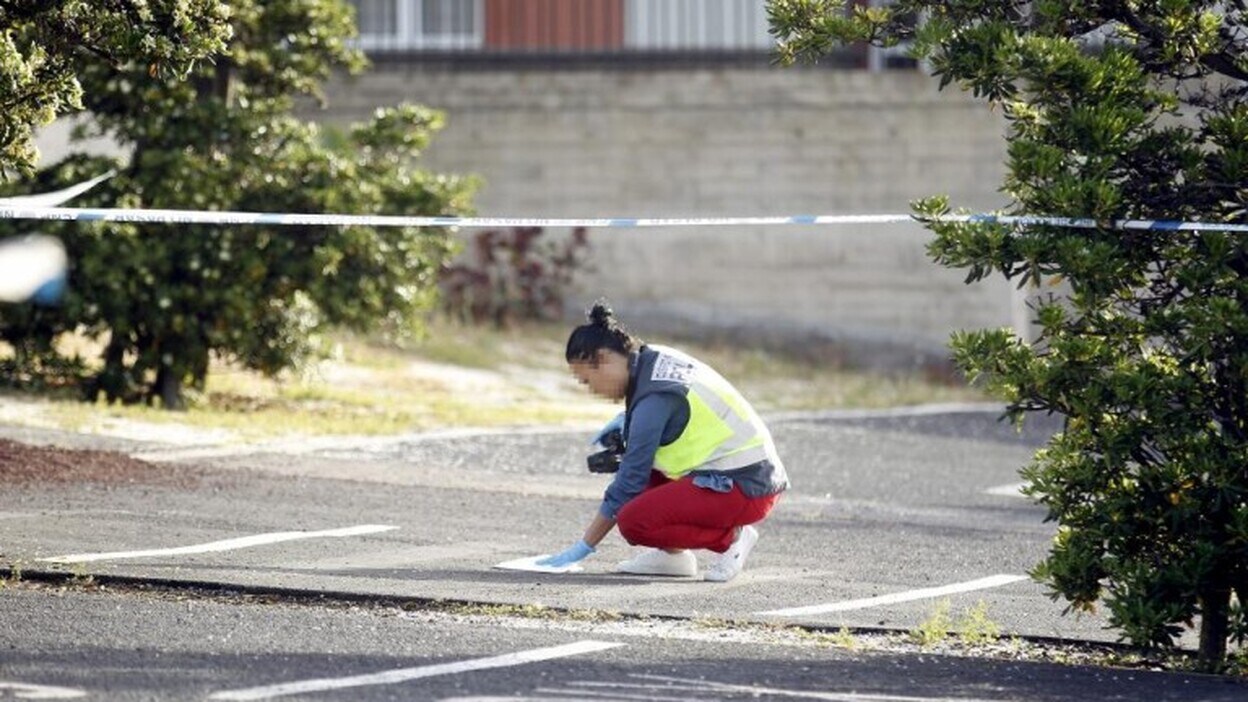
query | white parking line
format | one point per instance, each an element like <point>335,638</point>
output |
<point>226,545</point>
<point>390,677</point>
<point>757,691</point>
<point>895,598</point>
<point>26,691</point>
<point>1011,490</point>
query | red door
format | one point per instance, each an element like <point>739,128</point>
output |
<point>565,25</point>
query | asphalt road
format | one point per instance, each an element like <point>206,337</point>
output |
<point>127,646</point>
<point>881,507</point>
<point>893,517</point>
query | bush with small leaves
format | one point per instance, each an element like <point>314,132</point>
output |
<point>1114,111</point>
<point>166,298</point>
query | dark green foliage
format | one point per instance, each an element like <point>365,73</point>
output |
<point>1116,110</point>
<point>165,298</point>
<point>45,46</point>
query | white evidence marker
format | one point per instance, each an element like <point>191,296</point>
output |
<point>898,597</point>
<point>530,565</point>
<point>226,545</point>
<point>401,675</point>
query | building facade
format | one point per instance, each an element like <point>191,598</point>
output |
<point>672,108</point>
<point>576,29</point>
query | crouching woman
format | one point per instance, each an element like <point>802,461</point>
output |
<point>699,467</point>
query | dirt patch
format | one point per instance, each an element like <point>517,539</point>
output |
<point>23,464</point>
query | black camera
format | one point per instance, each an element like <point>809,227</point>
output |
<point>608,460</point>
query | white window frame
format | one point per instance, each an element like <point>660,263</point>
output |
<point>410,35</point>
<point>684,27</point>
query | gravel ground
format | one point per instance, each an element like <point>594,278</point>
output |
<point>23,464</point>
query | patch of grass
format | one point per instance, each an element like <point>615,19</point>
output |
<point>1237,663</point>
<point>774,380</point>
<point>363,388</point>
<point>975,628</point>
<point>80,576</point>
<point>14,575</point>
<point>460,376</point>
<point>460,345</point>
<point>529,611</point>
<point>316,412</point>
<point>525,611</point>
<point>248,418</point>
<point>842,638</point>
<point>490,348</point>
<point>935,629</point>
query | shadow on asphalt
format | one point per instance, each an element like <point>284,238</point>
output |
<point>484,574</point>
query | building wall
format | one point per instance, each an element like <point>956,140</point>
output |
<point>722,142</point>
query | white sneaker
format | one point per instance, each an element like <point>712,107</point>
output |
<point>656,561</point>
<point>730,562</point>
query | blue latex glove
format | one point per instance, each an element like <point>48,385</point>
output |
<point>568,556</point>
<point>617,423</point>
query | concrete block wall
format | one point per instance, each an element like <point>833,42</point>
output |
<point>725,142</point>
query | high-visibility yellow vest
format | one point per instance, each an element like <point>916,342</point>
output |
<point>724,432</point>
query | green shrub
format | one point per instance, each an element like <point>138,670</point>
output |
<point>164,299</point>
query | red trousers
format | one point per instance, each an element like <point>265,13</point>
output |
<point>676,514</point>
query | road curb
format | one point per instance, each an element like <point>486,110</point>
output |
<point>226,591</point>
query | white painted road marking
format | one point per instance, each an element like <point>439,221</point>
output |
<point>226,545</point>
<point>757,691</point>
<point>1011,490</point>
<point>390,677</point>
<point>895,598</point>
<point>26,691</point>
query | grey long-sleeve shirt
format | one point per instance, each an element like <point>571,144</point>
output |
<point>656,420</point>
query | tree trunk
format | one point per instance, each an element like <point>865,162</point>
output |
<point>112,380</point>
<point>169,389</point>
<point>1214,613</point>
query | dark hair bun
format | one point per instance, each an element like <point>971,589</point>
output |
<point>601,315</point>
<point>604,331</point>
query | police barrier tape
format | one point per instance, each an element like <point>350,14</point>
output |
<point>56,198</point>
<point>159,216</point>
